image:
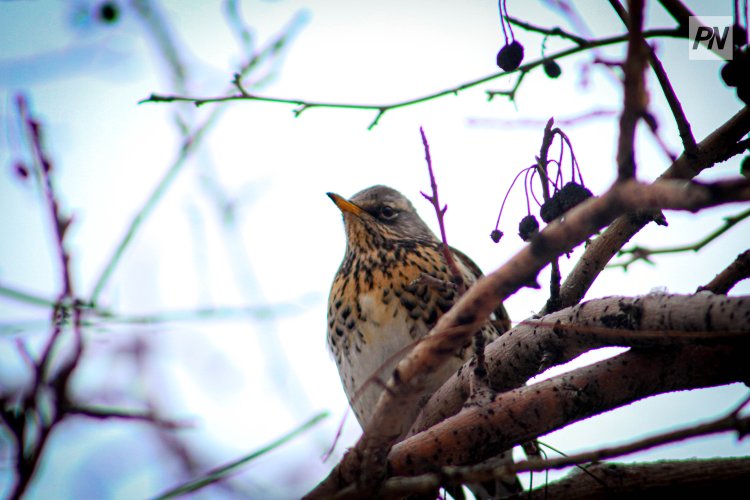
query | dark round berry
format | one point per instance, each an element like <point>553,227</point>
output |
<point>528,227</point>
<point>108,12</point>
<point>550,209</point>
<point>510,56</point>
<point>552,69</point>
<point>572,194</point>
<point>563,200</point>
<point>496,234</point>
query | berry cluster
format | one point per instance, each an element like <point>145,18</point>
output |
<point>563,197</point>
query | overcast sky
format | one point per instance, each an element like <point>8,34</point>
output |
<point>246,221</point>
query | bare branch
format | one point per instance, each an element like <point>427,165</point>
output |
<point>522,414</point>
<point>711,150</point>
<point>535,345</point>
<point>117,413</point>
<point>667,478</point>
<point>232,467</point>
<point>642,253</point>
<point>556,31</point>
<point>683,125</point>
<point>381,109</point>
<point>440,213</point>
<point>636,99</point>
<point>737,271</point>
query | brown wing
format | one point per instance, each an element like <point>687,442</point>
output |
<point>502,319</point>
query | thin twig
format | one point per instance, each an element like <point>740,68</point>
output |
<point>26,297</point>
<point>568,121</point>
<point>122,414</point>
<point>381,109</point>
<point>643,253</point>
<point>450,261</point>
<point>553,303</point>
<point>510,94</point>
<point>32,432</point>
<point>556,31</point>
<point>232,467</point>
<point>635,97</point>
<point>683,125</point>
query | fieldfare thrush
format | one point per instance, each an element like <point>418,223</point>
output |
<point>386,295</point>
<point>380,302</point>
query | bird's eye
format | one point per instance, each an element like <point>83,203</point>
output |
<point>387,212</point>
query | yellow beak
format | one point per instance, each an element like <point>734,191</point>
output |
<point>345,205</point>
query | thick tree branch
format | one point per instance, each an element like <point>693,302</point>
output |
<point>718,477</point>
<point>656,320</point>
<point>411,380</point>
<point>715,478</point>
<point>457,475</point>
<point>477,433</point>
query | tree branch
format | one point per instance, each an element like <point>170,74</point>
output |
<point>635,103</point>
<point>651,321</point>
<point>737,271</point>
<point>411,380</point>
<point>381,109</point>
<point>642,253</point>
<point>514,417</point>
<point>458,278</point>
<point>711,150</point>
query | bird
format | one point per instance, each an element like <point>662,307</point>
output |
<point>391,288</point>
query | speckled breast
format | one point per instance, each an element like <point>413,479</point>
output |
<point>378,309</point>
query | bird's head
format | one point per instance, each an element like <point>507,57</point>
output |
<point>378,214</point>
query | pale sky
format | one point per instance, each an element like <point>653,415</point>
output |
<point>246,381</point>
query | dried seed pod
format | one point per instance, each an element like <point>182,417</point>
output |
<point>563,200</point>
<point>551,209</point>
<point>510,56</point>
<point>496,234</point>
<point>528,227</point>
<point>572,194</point>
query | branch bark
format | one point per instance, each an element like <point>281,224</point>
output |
<point>656,320</point>
<point>478,433</point>
<point>734,273</point>
<point>716,478</point>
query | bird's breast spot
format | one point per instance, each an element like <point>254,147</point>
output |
<point>381,318</point>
